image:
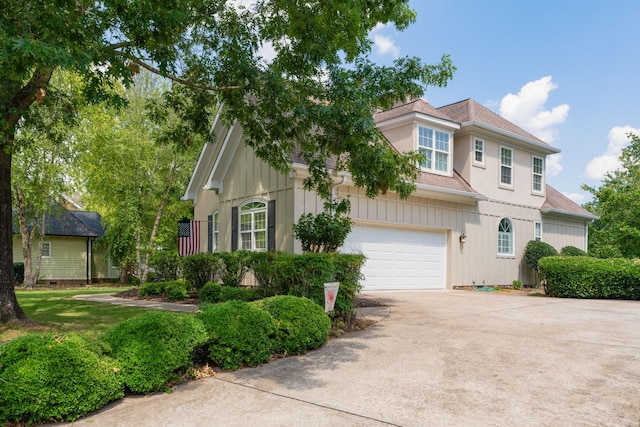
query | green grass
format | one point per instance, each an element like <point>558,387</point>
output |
<point>56,311</point>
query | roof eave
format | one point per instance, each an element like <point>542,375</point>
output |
<point>554,211</point>
<point>540,145</point>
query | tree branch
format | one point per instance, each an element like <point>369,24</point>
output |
<point>175,78</point>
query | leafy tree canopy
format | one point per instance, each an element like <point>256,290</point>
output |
<point>617,203</point>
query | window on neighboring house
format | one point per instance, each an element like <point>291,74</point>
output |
<point>253,226</point>
<point>537,231</point>
<point>505,237</point>
<point>478,151</point>
<point>45,249</point>
<point>506,166</point>
<point>537,167</point>
<point>435,146</point>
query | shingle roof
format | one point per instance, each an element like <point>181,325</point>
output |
<point>557,202</point>
<point>469,111</point>
<point>455,182</point>
<point>63,222</point>
<point>415,106</point>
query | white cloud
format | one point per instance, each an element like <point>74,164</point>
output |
<point>576,197</point>
<point>599,166</point>
<point>553,164</point>
<point>527,109</point>
<point>384,44</point>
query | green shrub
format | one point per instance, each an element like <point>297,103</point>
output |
<point>176,290</point>
<point>18,273</point>
<point>151,289</point>
<point>166,265</point>
<point>535,251</point>
<point>198,269</point>
<point>154,346</point>
<point>572,251</point>
<point>302,324</point>
<point>210,293</point>
<point>263,266</point>
<point>232,267</point>
<point>239,334</point>
<point>228,293</point>
<point>48,377</point>
<point>605,251</point>
<point>517,284</point>
<point>324,232</point>
<point>587,277</point>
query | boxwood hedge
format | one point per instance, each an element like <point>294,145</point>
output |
<point>587,277</point>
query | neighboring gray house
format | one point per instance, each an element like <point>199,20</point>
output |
<point>68,253</point>
<point>480,198</point>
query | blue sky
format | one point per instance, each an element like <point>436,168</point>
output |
<point>565,70</point>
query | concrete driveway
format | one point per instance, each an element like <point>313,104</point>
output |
<point>440,358</point>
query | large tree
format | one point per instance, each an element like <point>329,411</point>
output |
<point>617,202</point>
<point>317,94</point>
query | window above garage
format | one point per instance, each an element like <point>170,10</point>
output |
<point>435,145</point>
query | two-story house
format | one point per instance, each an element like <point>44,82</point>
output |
<point>480,198</point>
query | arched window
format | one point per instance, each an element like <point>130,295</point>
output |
<point>253,226</point>
<point>505,237</point>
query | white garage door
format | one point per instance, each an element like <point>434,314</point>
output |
<point>399,258</point>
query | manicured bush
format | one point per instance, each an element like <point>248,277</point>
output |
<point>210,293</point>
<point>154,346</point>
<point>176,290</point>
<point>263,266</point>
<point>18,273</point>
<point>228,293</point>
<point>535,251</point>
<point>166,265</point>
<point>48,377</point>
<point>151,289</point>
<point>605,251</point>
<point>198,269</point>
<point>572,251</point>
<point>239,334</point>
<point>302,324</point>
<point>587,277</point>
<point>232,267</point>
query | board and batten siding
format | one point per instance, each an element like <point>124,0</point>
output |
<point>248,178</point>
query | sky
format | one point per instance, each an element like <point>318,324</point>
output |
<point>566,71</point>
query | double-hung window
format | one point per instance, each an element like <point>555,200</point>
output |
<point>45,250</point>
<point>537,231</point>
<point>214,226</point>
<point>478,151</point>
<point>505,237</point>
<point>537,168</point>
<point>436,147</point>
<point>506,166</point>
<point>253,226</point>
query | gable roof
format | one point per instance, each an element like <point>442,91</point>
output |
<point>558,203</point>
<point>418,105</point>
<point>68,223</point>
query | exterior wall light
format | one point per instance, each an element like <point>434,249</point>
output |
<point>463,237</point>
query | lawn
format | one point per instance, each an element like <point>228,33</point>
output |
<point>55,310</point>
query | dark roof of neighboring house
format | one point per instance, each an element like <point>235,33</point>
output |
<point>557,202</point>
<point>63,222</point>
<point>471,111</point>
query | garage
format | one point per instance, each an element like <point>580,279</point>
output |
<point>400,258</point>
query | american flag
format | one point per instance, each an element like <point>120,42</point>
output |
<point>188,237</point>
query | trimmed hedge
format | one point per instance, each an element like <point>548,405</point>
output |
<point>572,251</point>
<point>48,377</point>
<point>535,251</point>
<point>212,293</point>
<point>240,334</point>
<point>587,277</point>
<point>151,289</point>
<point>302,324</point>
<point>154,346</point>
<point>166,264</point>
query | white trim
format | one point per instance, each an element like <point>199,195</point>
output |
<point>215,230</point>
<point>473,150</point>
<point>415,117</point>
<point>42,250</point>
<point>434,150</point>
<point>546,148</point>
<point>535,236</point>
<point>253,229</point>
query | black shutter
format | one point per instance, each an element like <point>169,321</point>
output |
<point>271,225</point>
<point>210,233</point>
<point>234,228</point>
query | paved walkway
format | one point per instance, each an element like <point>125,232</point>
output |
<point>440,358</point>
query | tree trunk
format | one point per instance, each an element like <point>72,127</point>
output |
<point>41,231</point>
<point>21,212</point>
<point>9,307</point>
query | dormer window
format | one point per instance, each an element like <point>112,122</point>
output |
<point>537,168</point>
<point>436,147</point>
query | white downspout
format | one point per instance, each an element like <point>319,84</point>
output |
<point>334,187</point>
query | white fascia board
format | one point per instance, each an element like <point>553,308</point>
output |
<point>546,148</point>
<point>416,117</point>
<point>451,192</point>
<point>552,211</point>
<point>198,175</point>
<point>224,158</point>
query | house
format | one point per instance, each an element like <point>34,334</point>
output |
<point>69,255</point>
<point>481,197</point>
